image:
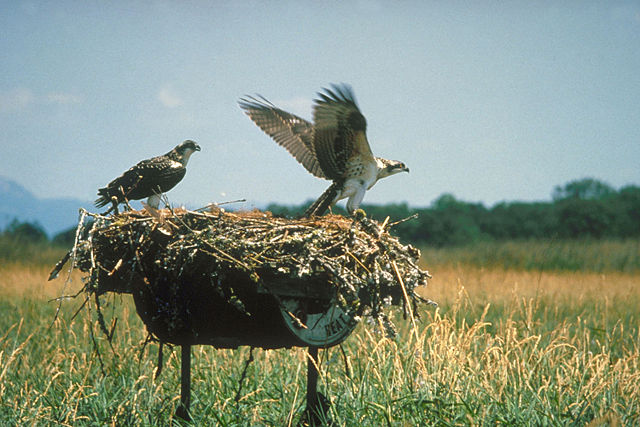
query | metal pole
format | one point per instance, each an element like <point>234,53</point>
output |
<point>185,386</point>
<point>312,380</point>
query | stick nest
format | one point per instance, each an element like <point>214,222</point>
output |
<point>354,261</point>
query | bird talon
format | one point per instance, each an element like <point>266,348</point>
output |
<point>359,214</point>
<point>114,205</point>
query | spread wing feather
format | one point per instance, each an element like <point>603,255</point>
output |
<point>288,130</point>
<point>339,130</point>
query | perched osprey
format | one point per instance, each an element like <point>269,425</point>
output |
<point>335,147</point>
<point>149,178</point>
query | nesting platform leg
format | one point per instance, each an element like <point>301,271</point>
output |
<point>185,384</point>
<point>312,378</point>
<point>317,404</point>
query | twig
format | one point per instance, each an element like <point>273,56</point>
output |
<point>406,298</point>
<point>160,362</point>
<point>86,300</point>
<point>347,368</point>
<point>244,373</point>
<point>384,224</point>
<point>73,251</point>
<point>393,224</point>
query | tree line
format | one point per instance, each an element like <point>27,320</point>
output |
<point>585,208</point>
<point>32,232</point>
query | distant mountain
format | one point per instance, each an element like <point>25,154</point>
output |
<point>54,215</point>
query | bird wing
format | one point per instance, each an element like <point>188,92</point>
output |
<point>159,174</point>
<point>288,130</point>
<point>339,131</point>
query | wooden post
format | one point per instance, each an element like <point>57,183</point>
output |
<point>185,385</point>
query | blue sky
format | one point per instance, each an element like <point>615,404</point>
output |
<point>488,100</point>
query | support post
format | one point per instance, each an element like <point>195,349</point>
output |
<point>185,384</point>
<point>317,411</point>
<point>312,379</point>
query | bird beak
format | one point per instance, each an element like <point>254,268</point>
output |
<point>405,169</point>
<point>197,147</point>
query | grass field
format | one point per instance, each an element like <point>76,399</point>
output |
<point>505,346</point>
<point>544,255</point>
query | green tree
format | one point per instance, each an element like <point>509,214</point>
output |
<point>459,222</point>
<point>65,238</point>
<point>584,189</point>
<point>585,218</point>
<point>26,231</point>
<point>520,220</point>
<point>628,206</point>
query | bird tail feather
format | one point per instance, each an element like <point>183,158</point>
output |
<point>104,198</point>
<point>320,206</point>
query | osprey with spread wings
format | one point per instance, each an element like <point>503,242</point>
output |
<point>334,147</point>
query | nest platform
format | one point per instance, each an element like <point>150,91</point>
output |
<point>247,278</point>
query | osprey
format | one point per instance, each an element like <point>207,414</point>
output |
<point>335,147</point>
<point>149,178</point>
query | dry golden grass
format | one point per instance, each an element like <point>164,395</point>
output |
<point>504,347</point>
<point>19,280</point>
<point>494,285</point>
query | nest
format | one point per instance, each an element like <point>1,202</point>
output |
<point>173,260</point>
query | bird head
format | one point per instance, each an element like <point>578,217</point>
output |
<point>390,167</point>
<point>185,150</point>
